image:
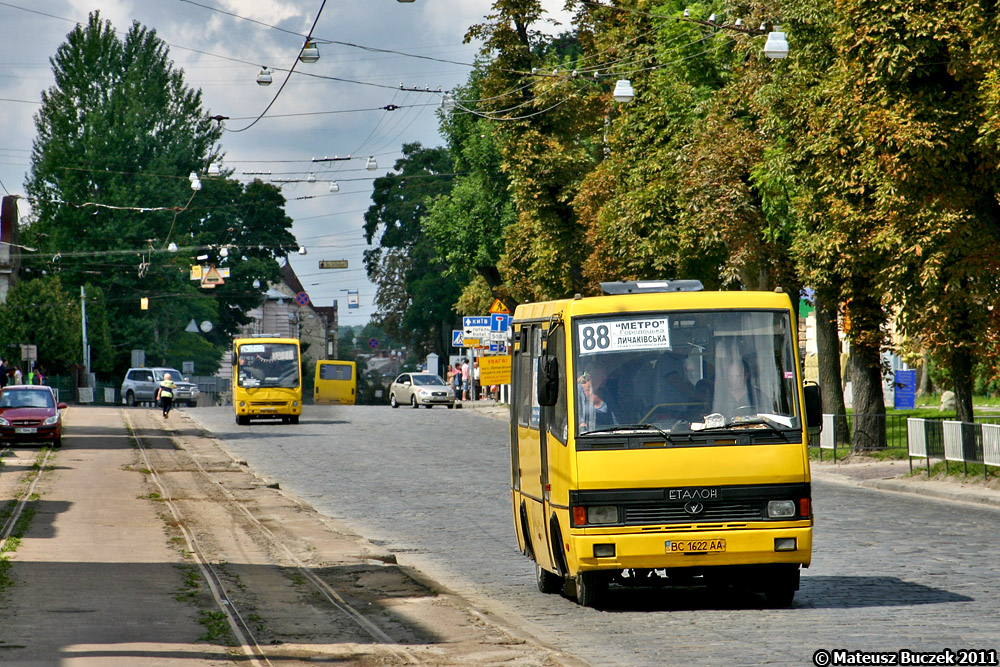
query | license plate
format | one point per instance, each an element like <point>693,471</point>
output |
<point>26,429</point>
<point>695,546</point>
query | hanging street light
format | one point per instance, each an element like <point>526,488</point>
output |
<point>776,46</point>
<point>623,91</point>
<point>334,187</point>
<point>264,77</point>
<point>310,53</point>
<point>371,164</point>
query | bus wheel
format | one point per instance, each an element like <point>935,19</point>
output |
<point>392,401</point>
<point>294,419</point>
<point>242,420</point>
<point>590,588</point>
<point>547,582</point>
<point>780,590</point>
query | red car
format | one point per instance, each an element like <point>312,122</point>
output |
<point>29,413</point>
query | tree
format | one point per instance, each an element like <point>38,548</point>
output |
<point>42,313</point>
<point>415,290</point>
<point>110,191</point>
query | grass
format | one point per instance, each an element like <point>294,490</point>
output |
<point>217,630</point>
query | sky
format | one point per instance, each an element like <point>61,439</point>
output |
<point>311,119</point>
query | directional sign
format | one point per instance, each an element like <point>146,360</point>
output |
<point>333,263</point>
<point>457,338</point>
<point>475,329</point>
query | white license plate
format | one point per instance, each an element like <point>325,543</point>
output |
<point>26,429</point>
<point>695,546</point>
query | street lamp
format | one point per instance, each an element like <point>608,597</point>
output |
<point>310,53</point>
<point>264,77</point>
<point>776,46</point>
<point>623,91</point>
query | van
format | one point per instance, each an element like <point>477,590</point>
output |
<point>336,383</point>
<point>659,436</point>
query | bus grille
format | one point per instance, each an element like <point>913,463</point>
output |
<point>725,511</point>
<point>276,404</point>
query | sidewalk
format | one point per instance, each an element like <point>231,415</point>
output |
<point>94,579</point>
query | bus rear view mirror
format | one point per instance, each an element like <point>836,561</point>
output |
<point>548,380</point>
<point>814,406</point>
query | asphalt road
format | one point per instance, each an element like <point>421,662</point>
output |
<point>890,572</point>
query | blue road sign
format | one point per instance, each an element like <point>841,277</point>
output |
<point>499,322</point>
<point>457,338</point>
<point>476,321</point>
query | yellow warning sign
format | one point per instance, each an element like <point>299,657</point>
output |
<point>212,278</point>
<point>494,369</point>
<point>499,307</point>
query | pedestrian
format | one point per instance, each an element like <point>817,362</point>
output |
<point>17,375</point>
<point>165,394</point>
<point>465,379</point>
<point>475,380</point>
<point>39,374</point>
<point>3,372</point>
<point>456,379</point>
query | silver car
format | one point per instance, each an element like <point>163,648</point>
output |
<point>140,386</point>
<point>419,389</point>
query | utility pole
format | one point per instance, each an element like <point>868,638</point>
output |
<point>86,348</point>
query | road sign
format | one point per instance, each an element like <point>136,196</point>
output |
<point>499,307</point>
<point>457,338</point>
<point>475,329</point>
<point>333,263</point>
<point>373,343</point>
<point>212,277</point>
<point>494,370</point>
<point>499,322</point>
<point>302,299</point>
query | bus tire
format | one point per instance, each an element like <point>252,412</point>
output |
<point>294,419</point>
<point>392,401</point>
<point>591,587</point>
<point>780,589</point>
<point>548,582</point>
<point>242,420</point>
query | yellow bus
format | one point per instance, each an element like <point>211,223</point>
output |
<point>336,383</point>
<point>267,379</point>
<point>659,436</point>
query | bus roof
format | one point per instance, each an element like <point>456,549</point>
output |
<point>653,302</point>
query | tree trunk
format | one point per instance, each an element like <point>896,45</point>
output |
<point>865,366</point>
<point>828,361</point>
<point>961,374</point>
<point>926,386</point>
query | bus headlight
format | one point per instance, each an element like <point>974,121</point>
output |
<point>780,509</point>
<point>602,514</point>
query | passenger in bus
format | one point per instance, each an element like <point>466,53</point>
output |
<point>734,395</point>
<point>593,411</point>
<point>674,395</point>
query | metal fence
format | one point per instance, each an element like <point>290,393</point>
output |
<point>955,441</point>
<point>839,434</point>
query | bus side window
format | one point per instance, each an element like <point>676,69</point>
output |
<point>524,377</point>
<point>556,415</point>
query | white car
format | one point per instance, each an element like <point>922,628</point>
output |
<point>419,389</point>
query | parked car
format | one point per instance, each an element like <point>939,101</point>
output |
<point>140,386</point>
<point>419,389</point>
<point>30,413</point>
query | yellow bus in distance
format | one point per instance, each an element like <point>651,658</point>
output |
<point>336,383</point>
<point>267,379</point>
<point>659,436</point>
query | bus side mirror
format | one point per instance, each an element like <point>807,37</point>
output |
<point>548,380</point>
<point>814,407</point>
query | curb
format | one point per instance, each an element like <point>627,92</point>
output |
<point>935,489</point>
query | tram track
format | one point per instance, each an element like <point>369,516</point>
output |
<point>24,496</point>
<point>240,621</point>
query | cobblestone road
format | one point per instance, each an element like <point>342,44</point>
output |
<point>889,571</point>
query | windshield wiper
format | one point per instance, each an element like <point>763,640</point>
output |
<point>632,427</point>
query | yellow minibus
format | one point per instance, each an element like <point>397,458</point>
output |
<point>336,383</point>
<point>267,379</point>
<point>659,436</point>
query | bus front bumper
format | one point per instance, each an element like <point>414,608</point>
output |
<point>667,550</point>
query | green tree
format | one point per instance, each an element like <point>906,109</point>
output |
<point>42,313</point>
<point>416,292</point>
<point>118,134</point>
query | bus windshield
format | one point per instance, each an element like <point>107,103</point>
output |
<point>268,365</point>
<point>685,372</point>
